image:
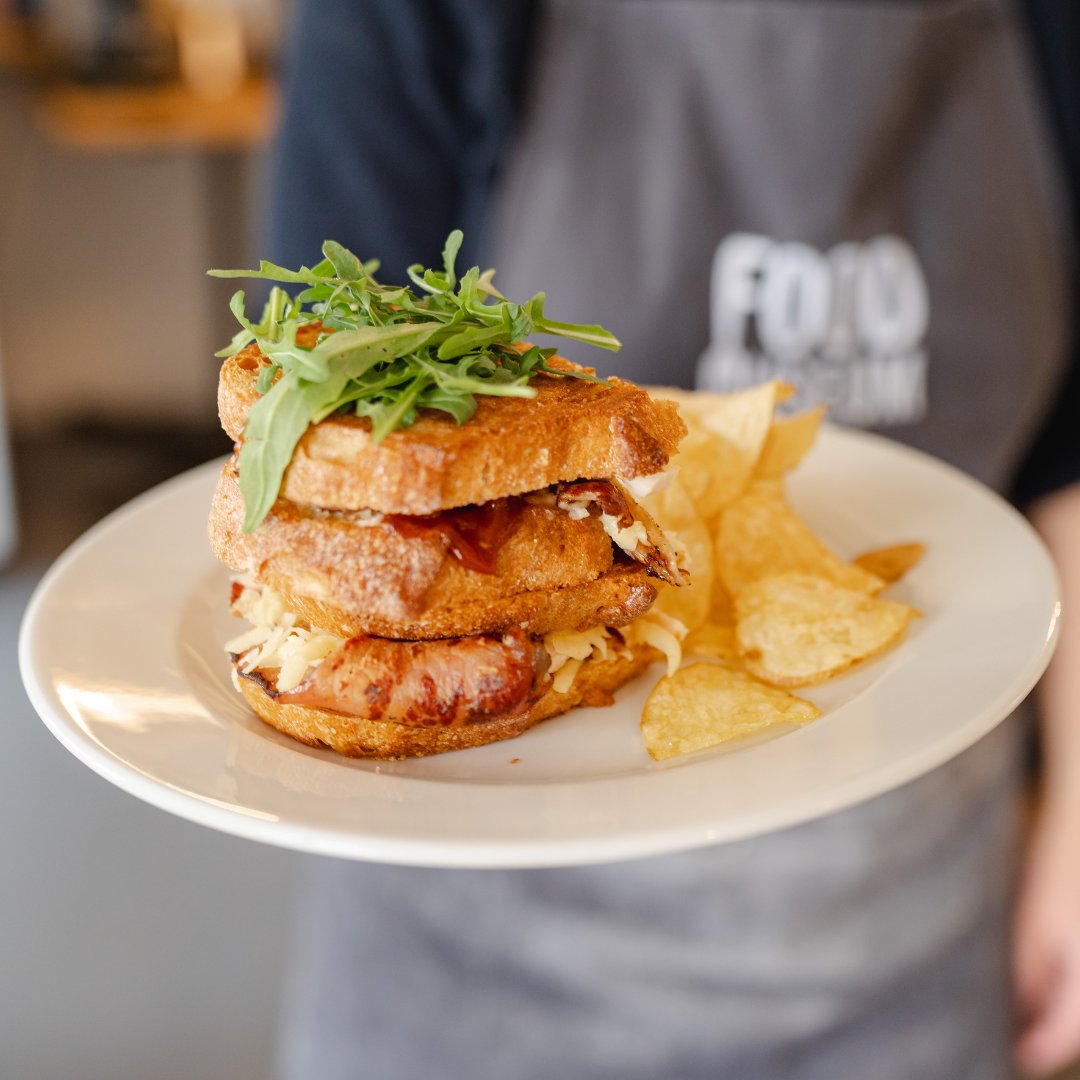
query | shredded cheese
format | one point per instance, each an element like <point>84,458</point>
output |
<point>565,676</point>
<point>274,640</point>
<point>629,538</point>
<point>661,632</point>
<point>569,649</point>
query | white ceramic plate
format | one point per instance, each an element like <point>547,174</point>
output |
<point>121,653</point>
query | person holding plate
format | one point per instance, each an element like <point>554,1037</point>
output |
<point>869,200</point>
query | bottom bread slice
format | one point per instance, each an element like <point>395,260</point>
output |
<point>356,736</point>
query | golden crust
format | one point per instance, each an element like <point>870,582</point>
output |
<point>372,568</point>
<point>613,599</point>
<point>355,736</point>
<point>571,429</point>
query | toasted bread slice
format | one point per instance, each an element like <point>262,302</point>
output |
<point>356,736</point>
<point>372,567</point>
<point>571,429</point>
<point>613,599</point>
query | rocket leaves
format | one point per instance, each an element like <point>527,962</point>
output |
<point>380,351</point>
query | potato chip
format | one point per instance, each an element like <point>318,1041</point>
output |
<point>700,454</point>
<point>704,705</point>
<point>769,601</point>
<point>712,639</point>
<point>727,433</point>
<point>891,563</point>
<point>722,609</point>
<point>797,629</point>
<point>760,535</point>
<point>787,442</point>
<point>683,525</point>
<point>688,603</point>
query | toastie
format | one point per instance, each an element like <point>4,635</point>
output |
<point>451,582</point>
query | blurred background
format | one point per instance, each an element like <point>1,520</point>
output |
<point>131,137</point>
<point>132,141</point>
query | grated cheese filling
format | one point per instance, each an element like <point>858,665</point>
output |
<point>661,632</point>
<point>569,649</point>
<point>274,640</point>
<point>628,539</point>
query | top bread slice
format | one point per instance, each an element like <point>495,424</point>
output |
<point>572,429</point>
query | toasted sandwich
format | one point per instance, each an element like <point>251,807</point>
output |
<point>452,580</point>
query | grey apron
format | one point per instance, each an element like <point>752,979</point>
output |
<point>854,195</point>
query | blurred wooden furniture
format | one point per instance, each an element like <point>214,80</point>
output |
<point>158,117</point>
<point>22,50</point>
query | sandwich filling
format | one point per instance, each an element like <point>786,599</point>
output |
<point>473,535</point>
<point>442,682</point>
<point>629,525</point>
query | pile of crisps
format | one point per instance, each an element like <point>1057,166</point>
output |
<point>770,607</point>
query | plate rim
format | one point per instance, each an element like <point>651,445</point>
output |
<point>537,851</point>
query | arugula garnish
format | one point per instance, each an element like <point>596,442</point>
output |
<point>384,352</point>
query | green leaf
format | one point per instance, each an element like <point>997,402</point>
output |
<point>346,265</point>
<point>269,271</point>
<point>450,254</point>
<point>273,428</point>
<point>397,414</point>
<point>428,280</point>
<point>460,405</point>
<point>590,335</point>
<point>354,352</point>
<point>236,306</point>
<point>316,294</point>
<point>266,377</point>
<point>486,285</point>
<point>466,341</point>
<point>241,339</point>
